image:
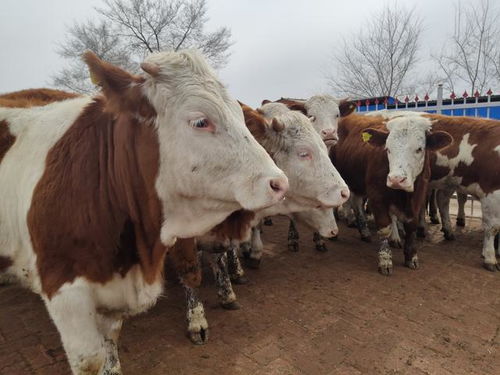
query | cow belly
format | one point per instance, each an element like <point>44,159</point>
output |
<point>35,132</point>
<point>128,295</point>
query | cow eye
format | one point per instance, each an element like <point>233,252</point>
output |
<point>419,150</point>
<point>200,123</point>
<point>305,154</point>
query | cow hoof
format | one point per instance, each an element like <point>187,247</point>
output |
<point>252,263</point>
<point>366,238</point>
<point>321,248</point>
<point>239,280</point>
<point>385,270</point>
<point>460,222</point>
<point>396,244</point>
<point>268,222</point>
<point>199,338</point>
<point>434,220</point>
<point>420,232</point>
<point>449,236</point>
<point>231,305</point>
<point>412,263</point>
<point>492,267</point>
<point>293,247</point>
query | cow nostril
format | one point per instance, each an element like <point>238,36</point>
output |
<point>344,193</point>
<point>403,179</point>
<point>279,185</point>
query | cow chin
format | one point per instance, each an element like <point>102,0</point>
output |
<point>404,187</point>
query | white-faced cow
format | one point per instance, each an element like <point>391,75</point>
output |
<point>394,174</point>
<point>95,189</point>
<point>314,182</point>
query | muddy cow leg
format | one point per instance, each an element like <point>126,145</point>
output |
<point>490,208</point>
<point>236,272</point>
<point>195,315</point>
<point>410,250</point>
<point>462,200</point>
<point>422,226</point>
<point>383,223</point>
<point>319,242</point>
<point>227,297</point>
<point>293,237</point>
<point>110,327</point>
<point>433,212</point>
<point>361,220</point>
<point>443,201</point>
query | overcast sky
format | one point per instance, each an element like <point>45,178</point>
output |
<point>281,46</point>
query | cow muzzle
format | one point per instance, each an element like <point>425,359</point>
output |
<point>400,183</point>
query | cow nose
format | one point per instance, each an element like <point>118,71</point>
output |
<point>334,232</point>
<point>328,133</point>
<point>397,180</point>
<point>279,187</point>
<point>345,193</point>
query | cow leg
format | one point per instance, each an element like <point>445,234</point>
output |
<point>383,222</point>
<point>421,228</point>
<point>74,314</point>
<point>410,250</point>
<point>293,237</point>
<point>462,200</point>
<point>361,220</point>
<point>227,297</point>
<point>490,207</point>
<point>319,242</point>
<point>433,212</point>
<point>110,327</point>
<point>254,255</point>
<point>236,272</point>
<point>195,315</point>
<point>443,201</point>
<point>395,239</point>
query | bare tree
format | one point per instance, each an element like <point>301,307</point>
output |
<point>468,57</point>
<point>127,30</point>
<point>377,60</point>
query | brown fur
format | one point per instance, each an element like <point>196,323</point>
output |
<point>34,97</point>
<point>6,139</point>
<point>294,105</point>
<point>483,132</point>
<point>95,211</point>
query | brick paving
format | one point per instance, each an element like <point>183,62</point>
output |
<point>303,313</point>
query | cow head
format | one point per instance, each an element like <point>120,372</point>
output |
<point>299,151</point>
<point>407,142</point>
<point>320,220</point>
<point>324,111</point>
<point>210,165</point>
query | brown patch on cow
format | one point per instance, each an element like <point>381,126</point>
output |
<point>255,122</point>
<point>5,262</point>
<point>235,227</point>
<point>6,139</point>
<point>485,134</point>
<point>365,168</point>
<point>184,258</point>
<point>95,211</point>
<point>34,97</point>
<point>294,105</point>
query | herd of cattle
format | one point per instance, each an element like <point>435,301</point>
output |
<point>99,192</point>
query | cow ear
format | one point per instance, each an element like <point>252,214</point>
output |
<point>277,125</point>
<point>346,107</point>
<point>437,140</point>
<point>265,101</point>
<point>374,137</point>
<point>254,121</point>
<point>112,79</point>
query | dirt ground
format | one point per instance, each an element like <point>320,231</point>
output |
<point>303,313</point>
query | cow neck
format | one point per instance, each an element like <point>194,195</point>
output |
<point>98,191</point>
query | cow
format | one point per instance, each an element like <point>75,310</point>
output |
<point>96,189</point>
<point>388,161</point>
<point>324,111</point>
<point>299,151</point>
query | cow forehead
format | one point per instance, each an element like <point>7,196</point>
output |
<point>270,110</point>
<point>409,129</point>
<point>322,105</point>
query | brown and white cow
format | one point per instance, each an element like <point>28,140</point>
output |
<point>394,174</point>
<point>95,189</point>
<point>299,151</point>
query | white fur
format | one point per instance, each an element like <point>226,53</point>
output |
<point>196,318</point>
<point>320,220</point>
<point>324,113</point>
<point>464,155</point>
